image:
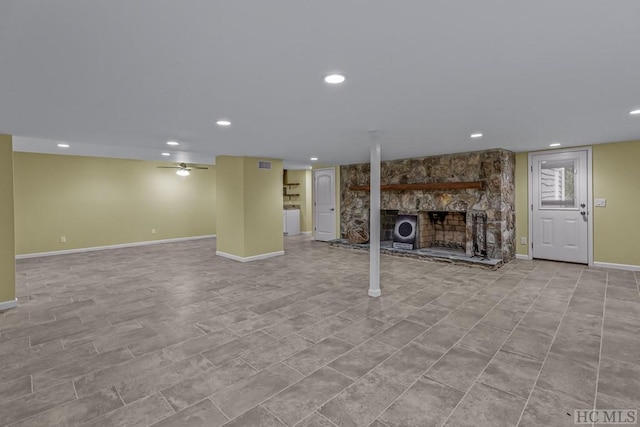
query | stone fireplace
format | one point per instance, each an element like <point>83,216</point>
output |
<point>448,193</point>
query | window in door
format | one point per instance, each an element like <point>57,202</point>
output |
<point>558,184</point>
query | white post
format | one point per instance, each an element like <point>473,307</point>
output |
<point>374,217</point>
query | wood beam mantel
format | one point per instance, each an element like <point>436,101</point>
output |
<point>425,186</point>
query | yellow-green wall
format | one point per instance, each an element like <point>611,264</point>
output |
<point>263,208</point>
<point>615,178</point>
<point>7,243</point>
<point>303,177</point>
<point>98,201</point>
<point>249,206</point>
<point>230,204</point>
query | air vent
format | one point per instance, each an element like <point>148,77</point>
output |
<point>264,165</point>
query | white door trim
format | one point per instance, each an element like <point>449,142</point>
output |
<point>589,151</point>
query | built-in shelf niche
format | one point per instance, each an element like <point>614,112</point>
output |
<point>286,193</point>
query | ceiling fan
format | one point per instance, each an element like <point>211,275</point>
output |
<point>183,168</point>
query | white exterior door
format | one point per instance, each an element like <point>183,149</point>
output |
<point>560,206</point>
<point>324,204</point>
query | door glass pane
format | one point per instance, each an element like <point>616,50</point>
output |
<point>558,183</point>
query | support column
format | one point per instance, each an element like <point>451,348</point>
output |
<point>7,241</point>
<point>249,208</point>
<point>374,217</point>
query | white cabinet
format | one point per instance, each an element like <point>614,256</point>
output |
<point>291,221</point>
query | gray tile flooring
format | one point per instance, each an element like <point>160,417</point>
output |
<point>170,335</point>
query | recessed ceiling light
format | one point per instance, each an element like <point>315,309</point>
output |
<point>634,112</point>
<point>166,154</point>
<point>313,159</point>
<point>63,145</point>
<point>334,78</point>
<point>223,123</point>
<point>555,144</point>
<point>476,135</point>
<point>173,143</point>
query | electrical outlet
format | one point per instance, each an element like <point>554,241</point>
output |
<point>63,239</point>
<point>153,231</point>
<point>523,240</point>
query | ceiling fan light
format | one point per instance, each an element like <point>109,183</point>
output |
<point>182,172</point>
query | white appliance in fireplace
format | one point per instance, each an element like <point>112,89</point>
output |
<point>404,232</point>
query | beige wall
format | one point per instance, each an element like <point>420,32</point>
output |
<point>249,206</point>
<point>304,189</point>
<point>616,177</point>
<point>7,243</point>
<point>98,201</point>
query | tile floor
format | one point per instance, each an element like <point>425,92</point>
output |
<point>170,335</point>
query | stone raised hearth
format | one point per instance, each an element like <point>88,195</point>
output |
<point>445,212</point>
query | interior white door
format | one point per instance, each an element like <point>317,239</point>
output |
<point>560,206</point>
<point>324,204</point>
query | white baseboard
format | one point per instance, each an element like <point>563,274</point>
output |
<point>249,258</point>
<point>616,266</point>
<point>306,233</point>
<point>374,293</point>
<point>522,256</point>
<point>6,305</point>
<point>119,246</point>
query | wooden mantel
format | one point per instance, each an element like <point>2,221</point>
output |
<point>425,186</point>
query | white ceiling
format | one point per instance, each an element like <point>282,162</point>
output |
<point>125,76</point>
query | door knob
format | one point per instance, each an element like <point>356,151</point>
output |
<point>582,205</point>
<point>332,209</point>
<point>583,213</point>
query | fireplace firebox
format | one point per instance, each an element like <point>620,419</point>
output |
<point>444,229</point>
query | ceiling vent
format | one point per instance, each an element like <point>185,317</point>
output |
<point>264,165</point>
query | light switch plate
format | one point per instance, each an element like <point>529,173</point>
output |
<point>601,203</point>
